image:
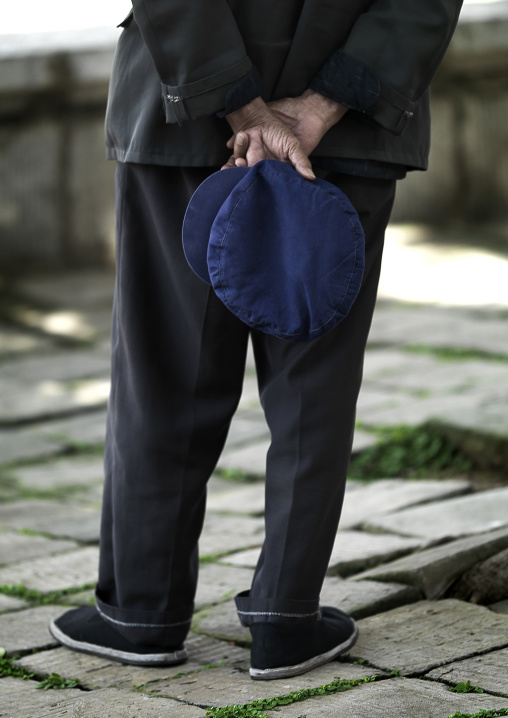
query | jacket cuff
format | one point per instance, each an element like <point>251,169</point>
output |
<point>355,85</point>
<point>244,91</point>
<point>204,97</point>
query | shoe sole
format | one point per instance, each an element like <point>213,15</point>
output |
<point>133,659</point>
<point>269,674</point>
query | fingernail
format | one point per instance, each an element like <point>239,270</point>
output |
<point>240,138</point>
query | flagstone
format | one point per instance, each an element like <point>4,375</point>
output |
<point>23,444</point>
<point>16,547</point>
<point>250,459</point>
<point>353,551</point>
<point>22,699</point>
<point>365,598</point>
<point>76,471</point>
<point>357,599</point>
<point>227,686</point>
<point>434,569</point>
<point>23,402</point>
<point>8,603</point>
<point>118,703</point>
<point>54,518</point>
<point>500,607</point>
<point>94,672</point>
<point>439,327</point>
<point>488,672</point>
<point>394,698</point>
<point>416,638</point>
<point>385,496</point>
<point>216,583</point>
<point>461,516</point>
<point>247,498</point>
<point>230,533</point>
<point>87,428</point>
<point>28,630</point>
<point>54,573</point>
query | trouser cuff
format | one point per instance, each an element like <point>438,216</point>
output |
<point>273,610</point>
<point>164,629</point>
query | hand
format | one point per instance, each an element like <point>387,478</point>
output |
<point>259,135</point>
<point>309,117</point>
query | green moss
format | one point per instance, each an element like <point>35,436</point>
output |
<point>447,354</point>
<point>409,452</point>
<point>256,708</point>
<point>38,598</point>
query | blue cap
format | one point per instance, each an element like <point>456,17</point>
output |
<point>284,254</point>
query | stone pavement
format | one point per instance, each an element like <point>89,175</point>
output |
<point>403,552</point>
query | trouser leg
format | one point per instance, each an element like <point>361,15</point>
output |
<point>178,360</point>
<point>309,393</point>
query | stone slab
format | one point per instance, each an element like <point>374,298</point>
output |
<point>399,371</point>
<point>250,395</point>
<point>80,289</point>
<point>353,551</point>
<point>363,501</point>
<point>407,409</point>
<point>21,699</point>
<point>438,327</point>
<point>227,686</point>
<point>462,516</point>
<point>28,630</point>
<point>361,601</point>
<point>500,607</point>
<point>395,698</point>
<point>23,444</point>
<point>432,570</point>
<point>61,366</point>
<point>95,673</point>
<point>246,426</point>
<point>79,471</point>
<point>54,573</point>
<point>221,622</point>
<point>53,518</point>
<point>117,703</point>
<point>18,547</point>
<point>415,639</point>
<point>362,440</point>
<point>15,343</point>
<point>250,459</point>
<point>230,533</point>
<point>8,603</point>
<point>489,672</point>
<point>216,583</point>
<point>22,402</point>
<point>238,498</point>
<point>88,428</point>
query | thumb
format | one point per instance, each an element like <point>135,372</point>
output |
<point>302,164</point>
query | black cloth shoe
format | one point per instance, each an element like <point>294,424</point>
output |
<point>84,630</point>
<point>281,650</point>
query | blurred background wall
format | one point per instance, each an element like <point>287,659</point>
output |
<point>56,189</point>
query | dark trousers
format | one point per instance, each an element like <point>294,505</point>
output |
<point>178,359</point>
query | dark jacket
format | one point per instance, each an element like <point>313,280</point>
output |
<point>177,60</point>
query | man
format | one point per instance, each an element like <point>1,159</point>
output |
<point>338,90</point>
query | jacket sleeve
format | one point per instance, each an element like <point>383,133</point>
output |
<point>197,51</point>
<point>390,58</point>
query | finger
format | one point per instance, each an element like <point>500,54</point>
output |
<point>301,163</point>
<point>241,145</point>
<point>229,163</point>
<point>231,142</point>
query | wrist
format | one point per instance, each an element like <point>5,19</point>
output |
<point>250,114</point>
<point>328,111</point>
